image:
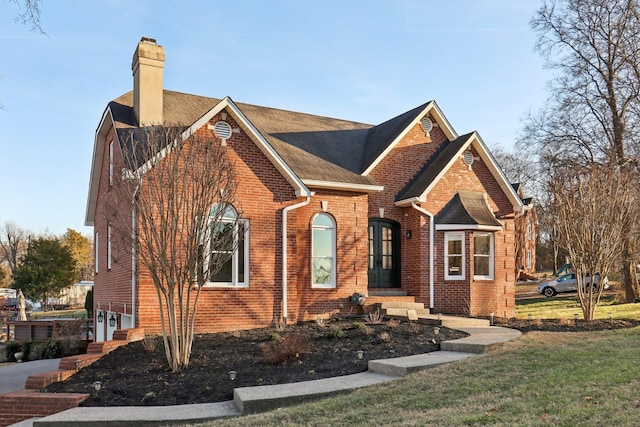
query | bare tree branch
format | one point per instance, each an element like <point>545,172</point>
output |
<point>181,189</point>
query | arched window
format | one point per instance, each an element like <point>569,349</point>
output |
<point>227,257</point>
<point>323,251</point>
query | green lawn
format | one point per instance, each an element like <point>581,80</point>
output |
<point>542,379</point>
<point>566,307</point>
<point>75,314</point>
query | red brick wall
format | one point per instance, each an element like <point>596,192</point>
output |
<point>112,287</point>
<point>349,211</point>
<point>22,405</point>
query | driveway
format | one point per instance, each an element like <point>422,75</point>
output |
<point>14,375</point>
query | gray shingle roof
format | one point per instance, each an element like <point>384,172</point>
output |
<point>467,208</point>
<point>315,147</point>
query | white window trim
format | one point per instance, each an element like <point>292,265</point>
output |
<point>96,259</point>
<point>454,236</point>
<point>110,163</point>
<point>109,247</point>
<point>234,260</point>
<point>491,257</point>
<point>331,285</point>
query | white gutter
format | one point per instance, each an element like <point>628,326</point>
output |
<point>285,211</point>
<point>431,227</point>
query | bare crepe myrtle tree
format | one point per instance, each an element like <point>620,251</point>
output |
<point>591,204</point>
<point>175,206</point>
<point>593,111</point>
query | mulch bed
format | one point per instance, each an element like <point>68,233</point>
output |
<point>135,376</point>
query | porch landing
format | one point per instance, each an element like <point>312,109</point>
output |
<point>392,308</point>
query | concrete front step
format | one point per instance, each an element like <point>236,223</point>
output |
<point>250,400</point>
<point>480,339</point>
<point>401,366</point>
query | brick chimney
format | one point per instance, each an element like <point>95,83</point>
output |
<point>147,66</point>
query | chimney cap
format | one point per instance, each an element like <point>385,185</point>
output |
<point>148,40</point>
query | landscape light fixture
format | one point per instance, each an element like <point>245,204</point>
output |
<point>360,354</point>
<point>232,375</point>
<point>97,385</point>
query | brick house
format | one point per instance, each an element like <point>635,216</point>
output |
<point>405,209</point>
<point>526,229</point>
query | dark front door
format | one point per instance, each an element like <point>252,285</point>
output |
<point>384,254</point>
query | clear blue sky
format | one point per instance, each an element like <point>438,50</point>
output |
<point>365,60</point>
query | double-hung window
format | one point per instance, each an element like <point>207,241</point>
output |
<point>323,251</point>
<point>227,249</point>
<point>483,256</point>
<point>454,256</point>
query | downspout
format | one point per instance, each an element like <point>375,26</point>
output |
<point>431,245</point>
<point>134,258</point>
<point>285,211</point>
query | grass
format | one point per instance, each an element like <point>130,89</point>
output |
<point>75,314</point>
<point>566,307</point>
<point>541,379</point>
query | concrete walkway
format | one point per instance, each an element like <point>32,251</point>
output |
<point>14,375</point>
<point>262,398</point>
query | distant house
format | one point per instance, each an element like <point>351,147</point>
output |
<point>407,209</point>
<point>526,229</point>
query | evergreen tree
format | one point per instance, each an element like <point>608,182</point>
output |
<point>46,269</point>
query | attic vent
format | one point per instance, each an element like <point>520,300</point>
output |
<point>468,158</point>
<point>222,130</point>
<point>427,125</point>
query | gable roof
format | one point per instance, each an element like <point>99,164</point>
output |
<point>449,152</point>
<point>467,210</point>
<point>309,151</point>
<point>384,137</point>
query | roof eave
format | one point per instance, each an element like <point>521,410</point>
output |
<point>106,122</point>
<point>404,203</point>
<point>478,227</point>
<point>344,186</point>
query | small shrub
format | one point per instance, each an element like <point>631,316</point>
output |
<point>415,328</point>
<point>368,330</point>
<point>375,317</point>
<point>358,325</point>
<point>393,323</point>
<point>567,322</point>
<point>10,349</point>
<point>273,336</point>
<point>53,349</point>
<point>149,343</point>
<point>335,332</point>
<point>37,350</point>
<point>290,346</point>
<point>385,337</point>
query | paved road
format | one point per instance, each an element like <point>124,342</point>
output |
<point>14,375</point>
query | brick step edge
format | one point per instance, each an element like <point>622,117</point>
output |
<point>25,404</point>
